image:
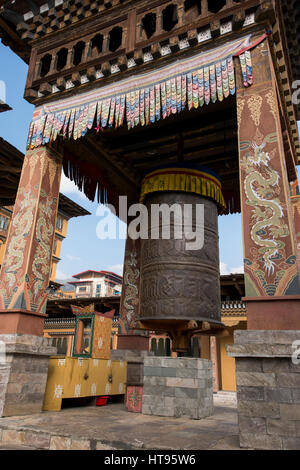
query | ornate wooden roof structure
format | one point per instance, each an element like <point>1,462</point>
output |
<point>74,47</point>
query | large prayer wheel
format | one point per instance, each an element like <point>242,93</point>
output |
<point>180,280</point>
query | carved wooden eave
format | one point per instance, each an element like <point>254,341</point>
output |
<point>47,28</point>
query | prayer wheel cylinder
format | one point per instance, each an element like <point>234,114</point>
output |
<point>180,285</point>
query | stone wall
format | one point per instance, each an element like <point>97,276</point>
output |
<point>177,387</point>
<point>23,373</point>
<point>268,389</point>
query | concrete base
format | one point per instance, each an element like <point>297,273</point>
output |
<point>268,388</point>
<point>23,373</point>
<point>177,387</point>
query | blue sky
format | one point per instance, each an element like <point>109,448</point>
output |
<point>82,249</point>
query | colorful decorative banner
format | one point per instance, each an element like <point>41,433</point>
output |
<point>196,179</point>
<point>145,98</point>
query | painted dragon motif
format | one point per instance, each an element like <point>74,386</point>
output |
<point>261,186</point>
<point>131,295</point>
<point>43,234</point>
<point>21,225</point>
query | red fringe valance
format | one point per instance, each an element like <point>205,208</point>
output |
<point>90,180</point>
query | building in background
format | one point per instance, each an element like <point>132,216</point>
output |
<point>60,324</point>
<point>97,284</point>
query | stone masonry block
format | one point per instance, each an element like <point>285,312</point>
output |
<point>295,395</point>
<point>260,441</point>
<point>153,361</point>
<point>11,436</point>
<point>258,409</point>
<point>281,427</point>
<point>167,362</point>
<point>250,393</point>
<point>60,443</point>
<point>187,373</point>
<point>256,379</point>
<point>154,380</point>
<point>178,387</point>
<point>248,365</point>
<point>279,395</point>
<point>289,380</point>
<point>169,402</point>
<point>37,439</point>
<point>268,389</point>
<point>290,443</point>
<point>290,412</point>
<point>276,365</point>
<point>252,425</point>
<point>186,402</point>
<point>272,337</point>
<point>181,382</point>
<point>186,392</point>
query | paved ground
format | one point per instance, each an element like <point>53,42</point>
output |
<point>112,427</point>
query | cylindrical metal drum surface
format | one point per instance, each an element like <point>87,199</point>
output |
<point>179,282</point>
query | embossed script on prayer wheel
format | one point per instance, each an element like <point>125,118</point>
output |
<point>177,283</point>
<point>180,282</point>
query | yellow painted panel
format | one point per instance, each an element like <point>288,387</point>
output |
<point>102,337</point>
<point>227,366</point>
<point>119,373</point>
<point>99,373</point>
<point>55,384</point>
<point>75,383</point>
<point>71,377</point>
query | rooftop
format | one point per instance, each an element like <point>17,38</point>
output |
<point>102,273</point>
<point>4,107</point>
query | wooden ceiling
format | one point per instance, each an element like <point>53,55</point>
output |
<point>207,136</point>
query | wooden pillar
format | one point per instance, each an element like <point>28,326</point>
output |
<point>214,355</point>
<point>271,269</point>
<point>295,198</point>
<point>25,272</point>
<point>129,338</point>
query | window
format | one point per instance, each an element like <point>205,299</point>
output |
<point>83,337</point>
<point>61,59</point>
<point>96,45</point>
<point>98,290</point>
<point>214,6</point>
<point>4,221</point>
<point>149,24</point>
<point>115,38</point>
<point>45,65</point>
<point>82,289</point>
<point>59,223</point>
<point>191,4</point>
<point>54,246</point>
<point>169,17</point>
<point>78,52</point>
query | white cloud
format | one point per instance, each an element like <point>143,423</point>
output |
<point>117,268</point>
<point>61,276</point>
<point>238,270</point>
<point>73,258</point>
<point>225,270</point>
<point>69,187</point>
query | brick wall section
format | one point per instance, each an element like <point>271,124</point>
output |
<point>177,387</point>
<point>268,389</point>
<point>23,374</point>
